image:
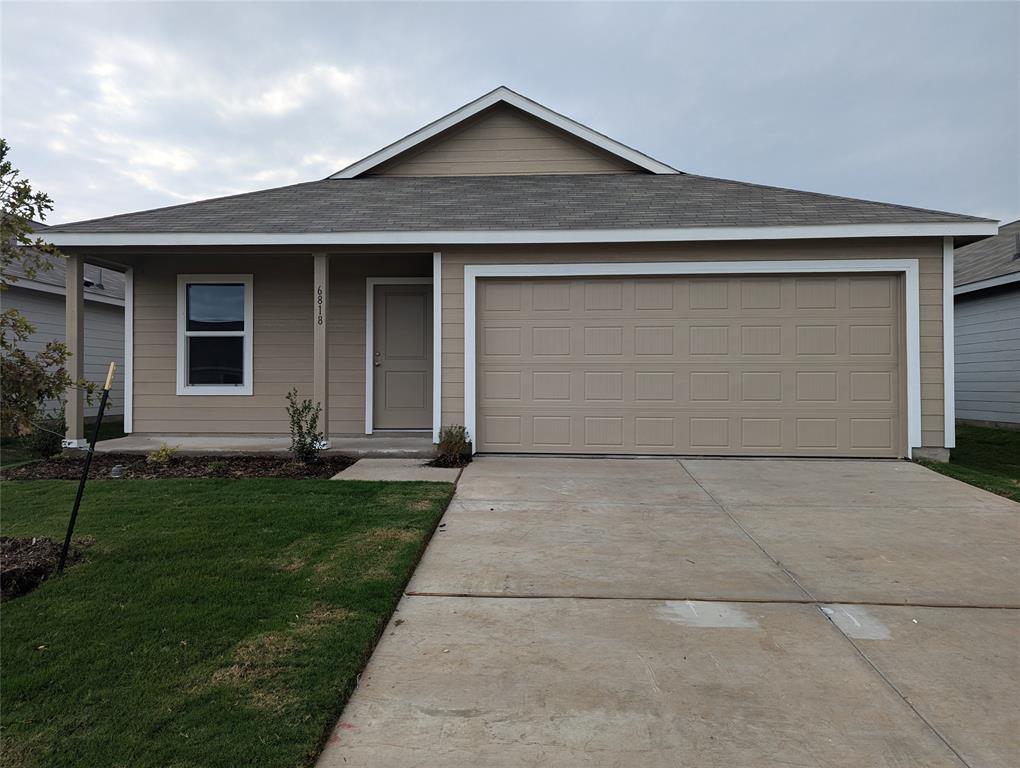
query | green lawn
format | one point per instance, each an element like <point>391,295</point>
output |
<point>987,457</point>
<point>212,623</point>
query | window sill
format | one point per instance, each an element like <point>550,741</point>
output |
<point>215,391</point>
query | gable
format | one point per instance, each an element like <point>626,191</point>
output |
<point>503,141</point>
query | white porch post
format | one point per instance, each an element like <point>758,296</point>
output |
<point>74,319</point>
<point>320,343</point>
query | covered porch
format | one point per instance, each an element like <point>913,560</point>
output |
<point>216,338</point>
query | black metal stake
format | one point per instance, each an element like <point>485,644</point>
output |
<point>85,469</point>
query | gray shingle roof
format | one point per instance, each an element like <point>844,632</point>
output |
<point>994,257</point>
<point>99,281</point>
<point>478,203</point>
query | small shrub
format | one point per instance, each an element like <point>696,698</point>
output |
<point>162,456</point>
<point>216,467</point>
<point>306,441</point>
<point>454,448</point>
<point>45,438</point>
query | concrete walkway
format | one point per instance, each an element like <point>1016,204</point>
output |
<point>701,613</point>
<point>398,470</point>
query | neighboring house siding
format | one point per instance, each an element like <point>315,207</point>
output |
<point>104,335</point>
<point>927,251</point>
<point>504,141</point>
<point>283,295</point>
<point>988,356</point>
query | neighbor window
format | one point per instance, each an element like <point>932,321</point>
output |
<point>214,335</point>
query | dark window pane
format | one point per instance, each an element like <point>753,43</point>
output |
<point>216,307</point>
<point>215,360</point>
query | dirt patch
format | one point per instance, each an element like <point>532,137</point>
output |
<point>257,662</point>
<point>27,562</point>
<point>139,468</point>
<point>377,542</point>
<point>257,659</point>
<point>451,461</point>
<point>376,537</point>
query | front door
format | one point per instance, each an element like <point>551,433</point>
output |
<point>402,360</point>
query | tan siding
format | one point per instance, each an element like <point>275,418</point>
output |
<point>927,251</point>
<point>282,288</point>
<point>282,285</point>
<point>281,352</point>
<point>347,330</point>
<point>503,141</point>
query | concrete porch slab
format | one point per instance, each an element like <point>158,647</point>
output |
<point>406,470</point>
<point>962,555</point>
<point>507,682</point>
<point>961,671</point>
<point>596,550</point>
<point>201,445</point>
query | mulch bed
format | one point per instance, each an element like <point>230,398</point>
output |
<point>26,562</point>
<point>137,467</point>
<point>451,462</point>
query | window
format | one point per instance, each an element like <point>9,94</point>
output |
<point>214,335</point>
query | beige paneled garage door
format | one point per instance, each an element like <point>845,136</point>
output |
<point>790,365</point>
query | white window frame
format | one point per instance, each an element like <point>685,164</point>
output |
<point>183,388</point>
<point>909,268</point>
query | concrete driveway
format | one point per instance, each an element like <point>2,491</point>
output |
<point>597,612</point>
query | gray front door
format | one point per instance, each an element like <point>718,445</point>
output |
<point>402,394</point>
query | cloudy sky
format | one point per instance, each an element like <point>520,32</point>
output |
<point>125,106</point>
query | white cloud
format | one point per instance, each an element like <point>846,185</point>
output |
<point>293,91</point>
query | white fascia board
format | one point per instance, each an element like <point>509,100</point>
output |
<point>523,236</point>
<point>506,96</point>
<point>908,267</point>
<point>991,282</point>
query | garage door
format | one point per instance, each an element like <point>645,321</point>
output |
<point>793,365</point>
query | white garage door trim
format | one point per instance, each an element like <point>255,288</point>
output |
<point>909,267</point>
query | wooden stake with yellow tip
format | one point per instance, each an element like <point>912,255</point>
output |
<point>85,469</point>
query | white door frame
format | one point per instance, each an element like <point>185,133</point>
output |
<point>908,267</point>
<point>370,284</point>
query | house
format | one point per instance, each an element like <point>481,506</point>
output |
<point>987,294</point>
<point>553,290</point>
<point>41,300</point>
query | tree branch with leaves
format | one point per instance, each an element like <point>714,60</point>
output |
<point>27,379</point>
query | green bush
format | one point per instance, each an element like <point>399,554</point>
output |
<point>454,443</point>
<point>45,438</point>
<point>162,456</point>
<point>306,441</point>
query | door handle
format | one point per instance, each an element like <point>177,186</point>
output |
<point>377,363</point>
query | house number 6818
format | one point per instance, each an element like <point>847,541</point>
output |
<point>318,305</point>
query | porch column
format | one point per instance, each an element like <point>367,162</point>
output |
<point>74,318</point>
<point>320,340</point>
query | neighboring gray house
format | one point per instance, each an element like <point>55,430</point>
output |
<point>987,298</point>
<point>41,301</point>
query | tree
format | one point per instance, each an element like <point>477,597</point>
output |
<point>27,380</point>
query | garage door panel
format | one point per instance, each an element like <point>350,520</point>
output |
<point>753,365</point>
